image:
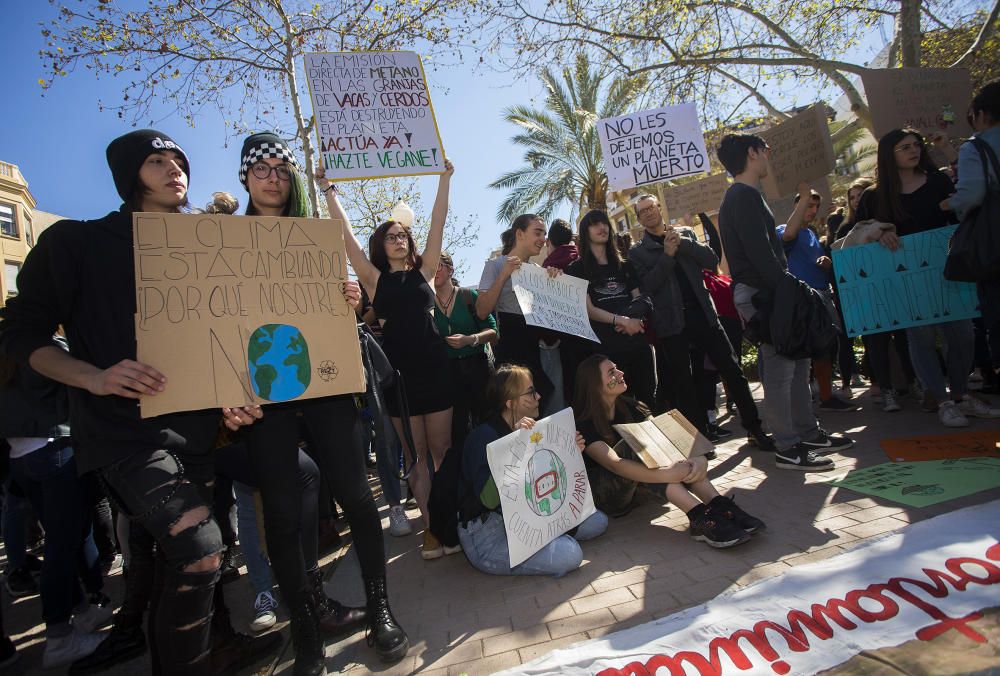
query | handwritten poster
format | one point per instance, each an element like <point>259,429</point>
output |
<point>801,150</point>
<point>977,444</point>
<point>543,484</point>
<point>374,116</point>
<point>557,303</point>
<point>926,99</point>
<point>238,310</point>
<point>652,146</point>
<point>695,197</point>
<point>919,484</point>
<point>882,290</point>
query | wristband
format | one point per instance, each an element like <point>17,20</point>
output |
<point>330,188</point>
<point>614,320</point>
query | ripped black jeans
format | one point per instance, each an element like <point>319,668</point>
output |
<point>169,494</point>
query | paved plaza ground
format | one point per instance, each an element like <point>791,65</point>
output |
<point>462,621</point>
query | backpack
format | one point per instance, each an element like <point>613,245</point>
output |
<point>974,250</point>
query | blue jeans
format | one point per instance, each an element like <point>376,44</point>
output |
<point>49,481</point>
<point>258,567</point>
<point>959,343</point>
<point>485,545</point>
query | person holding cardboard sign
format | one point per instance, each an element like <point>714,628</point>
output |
<point>398,280</point>
<point>332,425</point>
<point>615,471</point>
<point>80,275</point>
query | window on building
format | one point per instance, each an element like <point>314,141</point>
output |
<point>8,220</point>
<point>10,273</point>
<point>29,234</point>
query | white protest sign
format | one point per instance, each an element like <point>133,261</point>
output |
<point>652,146</point>
<point>557,303</point>
<point>543,484</point>
<point>374,117</point>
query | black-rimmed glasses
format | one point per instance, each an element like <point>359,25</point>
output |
<point>263,171</point>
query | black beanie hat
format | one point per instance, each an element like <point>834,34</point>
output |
<point>127,153</point>
<point>261,146</point>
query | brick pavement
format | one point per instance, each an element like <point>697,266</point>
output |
<point>644,567</point>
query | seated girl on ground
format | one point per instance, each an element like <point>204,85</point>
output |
<point>513,405</point>
<point>615,472</point>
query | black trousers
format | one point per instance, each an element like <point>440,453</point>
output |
<point>684,376</point>
<point>335,429</point>
<point>877,346</point>
<point>519,345</point>
<point>471,376</point>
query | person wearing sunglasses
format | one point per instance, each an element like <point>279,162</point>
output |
<point>513,405</point>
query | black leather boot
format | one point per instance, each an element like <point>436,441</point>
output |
<point>384,633</point>
<point>307,639</point>
<point>335,619</point>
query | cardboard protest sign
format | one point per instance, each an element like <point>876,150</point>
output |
<point>919,484</point>
<point>543,484</point>
<point>652,146</point>
<point>374,116</point>
<point>239,310</point>
<point>782,208</point>
<point>664,440</point>
<point>557,303</point>
<point>882,290</point>
<point>926,99</point>
<point>701,196</point>
<point>801,150</point>
<point>981,444</point>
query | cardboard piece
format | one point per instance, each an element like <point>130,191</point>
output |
<point>704,195</point>
<point>980,444</point>
<point>652,146</point>
<point>919,484</point>
<point>543,484</point>
<point>664,440</point>
<point>374,116</point>
<point>239,310</point>
<point>782,208</point>
<point>557,303</point>
<point>882,290</point>
<point>801,150</point>
<point>926,99</point>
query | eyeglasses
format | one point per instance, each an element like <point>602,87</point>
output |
<point>398,237</point>
<point>263,171</point>
<point>652,209</point>
<point>531,392</point>
<point>906,147</point>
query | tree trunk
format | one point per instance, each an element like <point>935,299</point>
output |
<point>303,129</point>
<point>908,22</point>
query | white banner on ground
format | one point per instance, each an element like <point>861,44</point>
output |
<point>557,303</point>
<point>922,581</point>
<point>652,146</point>
<point>374,116</point>
<point>543,484</point>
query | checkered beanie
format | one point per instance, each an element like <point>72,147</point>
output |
<point>261,147</point>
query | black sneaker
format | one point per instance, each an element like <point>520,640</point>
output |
<point>717,531</point>
<point>758,439</point>
<point>228,571</point>
<point>801,458</point>
<point>726,508</point>
<point>720,433</point>
<point>837,404</point>
<point>21,583</point>
<point>828,443</point>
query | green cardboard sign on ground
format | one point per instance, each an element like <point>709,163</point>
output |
<point>919,484</point>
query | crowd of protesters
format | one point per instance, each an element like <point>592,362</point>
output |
<point>449,369</point>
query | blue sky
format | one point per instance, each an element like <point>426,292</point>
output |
<point>58,140</point>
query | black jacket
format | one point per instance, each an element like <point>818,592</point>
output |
<point>80,275</point>
<point>31,405</point>
<point>794,319</point>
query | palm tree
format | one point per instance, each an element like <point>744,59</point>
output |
<point>563,155</point>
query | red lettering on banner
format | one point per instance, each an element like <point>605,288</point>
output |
<point>821,619</point>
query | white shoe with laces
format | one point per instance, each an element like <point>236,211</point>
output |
<point>62,651</point>
<point>97,614</point>
<point>890,403</point>
<point>399,525</point>
<point>264,617</point>
<point>977,408</point>
<point>950,415</point>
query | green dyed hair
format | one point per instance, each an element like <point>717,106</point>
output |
<point>298,198</point>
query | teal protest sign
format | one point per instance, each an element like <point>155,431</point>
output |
<point>882,290</point>
<point>919,484</point>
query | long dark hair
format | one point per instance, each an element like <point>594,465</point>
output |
<point>588,404</point>
<point>888,186</point>
<point>376,248</point>
<point>593,217</point>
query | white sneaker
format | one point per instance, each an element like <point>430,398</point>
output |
<point>399,525</point>
<point>977,408</point>
<point>64,650</point>
<point>890,403</point>
<point>950,415</point>
<point>264,617</point>
<point>97,614</point>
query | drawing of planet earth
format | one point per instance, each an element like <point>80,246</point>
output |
<point>278,359</point>
<point>545,483</point>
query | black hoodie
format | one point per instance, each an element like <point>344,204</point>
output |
<point>81,275</point>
